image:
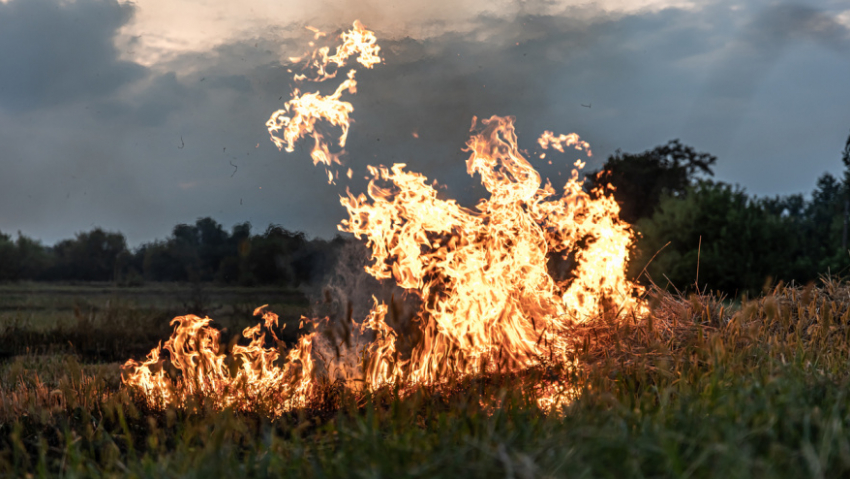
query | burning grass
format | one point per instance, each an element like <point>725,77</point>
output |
<point>487,303</point>
<point>698,387</point>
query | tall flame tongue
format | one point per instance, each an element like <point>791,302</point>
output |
<point>488,302</point>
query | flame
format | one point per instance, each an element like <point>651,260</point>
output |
<point>562,141</point>
<point>299,116</point>
<point>245,377</point>
<point>482,274</point>
<point>488,301</point>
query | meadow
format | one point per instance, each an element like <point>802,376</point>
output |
<point>700,387</point>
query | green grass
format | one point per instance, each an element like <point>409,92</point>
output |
<point>43,306</point>
<point>696,389</point>
<point>103,322</point>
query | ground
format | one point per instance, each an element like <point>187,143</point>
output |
<point>700,387</point>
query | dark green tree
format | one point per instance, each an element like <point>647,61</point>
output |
<point>271,256</point>
<point>34,260</point>
<point>90,256</point>
<point>24,259</point>
<point>233,266</point>
<point>9,260</point>
<point>845,158</point>
<point>640,180</point>
<point>740,242</point>
<point>213,247</point>
<point>162,262</point>
<point>823,228</point>
<point>176,258</point>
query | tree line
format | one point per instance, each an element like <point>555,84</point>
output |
<point>203,252</point>
<point>696,231</point>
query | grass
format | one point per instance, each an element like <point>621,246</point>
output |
<point>103,322</point>
<point>698,388</point>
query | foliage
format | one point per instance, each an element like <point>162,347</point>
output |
<point>203,252</point>
<point>91,256</point>
<point>845,158</point>
<point>739,242</point>
<point>640,180</point>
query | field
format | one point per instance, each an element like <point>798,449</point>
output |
<point>105,323</point>
<point>698,388</point>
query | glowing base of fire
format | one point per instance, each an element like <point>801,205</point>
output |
<point>198,370</point>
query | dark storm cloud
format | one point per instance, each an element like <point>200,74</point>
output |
<point>57,52</point>
<point>774,85</point>
<point>151,105</point>
<point>763,41</point>
<point>777,25</point>
<point>539,69</point>
<point>239,83</point>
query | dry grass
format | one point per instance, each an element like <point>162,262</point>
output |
<point>698,388</point>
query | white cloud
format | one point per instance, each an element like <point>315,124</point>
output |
<point>164,29</point>
<point>844,18</point>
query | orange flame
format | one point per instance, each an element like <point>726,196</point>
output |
<point>562,141</point>
<point>300,115</point>
<point>488,300</point>
<point>245,377</point>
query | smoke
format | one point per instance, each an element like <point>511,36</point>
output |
<point>766,38</point>
<point>346,300</point>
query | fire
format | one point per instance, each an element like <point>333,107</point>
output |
<point>488,300</point>
<point>562,141</point>
<point>245,377</point>
<point>299,115</point>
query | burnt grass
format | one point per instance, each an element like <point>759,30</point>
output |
<point>699,387</point>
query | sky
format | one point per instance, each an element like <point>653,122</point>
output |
<point>136,116</point>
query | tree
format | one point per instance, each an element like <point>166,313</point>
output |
<point>824,226</point>
<point>9,260</point>
<point>845,158</point>
<point>162,263</point>
<point>740,242</point>
<point>90,256</point>
<point>232,267</point>
<point>34,260</point>
<point>271,256</point>
<point>640,180</point>
<point>202,252</point>
<point>23,259</point>
<point>212,247</point>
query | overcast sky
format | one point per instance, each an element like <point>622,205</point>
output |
<point>129,115</point>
